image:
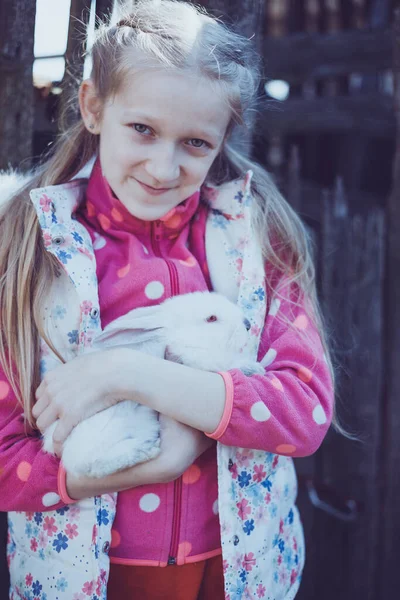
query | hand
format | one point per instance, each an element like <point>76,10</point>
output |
<point>73,392</point>
<point>181,445</point>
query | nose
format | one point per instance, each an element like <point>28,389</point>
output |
<point>247,324</point>
<point>163,166</point>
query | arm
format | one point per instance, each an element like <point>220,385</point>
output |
<point>170,464</point>
<point>33,481</point>
<point>28,476</point>
<point>286,411</point>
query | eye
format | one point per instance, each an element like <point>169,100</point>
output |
<point>212,319</point>
<point>198,143</point>
<point>140,128</point>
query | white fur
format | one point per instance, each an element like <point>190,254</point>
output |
<point>128,433</point>
<point>11,182</point>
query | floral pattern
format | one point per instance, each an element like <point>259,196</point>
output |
<point>261,533</point>
<point>62,553</point>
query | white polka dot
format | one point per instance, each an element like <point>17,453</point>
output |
<point>275,305</point>
<point>149,502</point>
<point>50,499</point>
<point>318,415</point>
<point>145,249</point>
<point>154,290</point>
<point>260,412</point>
<point>99,242</point>
<point>215,507</point>
<point>269,357</point>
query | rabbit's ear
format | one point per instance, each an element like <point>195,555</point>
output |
<point>136,327</point>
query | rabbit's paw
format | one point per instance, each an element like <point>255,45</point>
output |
<point>149,450</point>
<point>251,367</point>
<point>124,454</point>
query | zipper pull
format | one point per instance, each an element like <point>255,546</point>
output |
<point>171,560</point>
<point>157,230</point>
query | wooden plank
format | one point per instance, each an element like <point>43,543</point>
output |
<point>4,576</point>
<point>371,114</point>
<point>74,60</point>
<point>302,57</point>
<point>16,90</point>
<point>352,280</point>
<point>390,482</point>
<point>104,8</point>
<point>246,17</point>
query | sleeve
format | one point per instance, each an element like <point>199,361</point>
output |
<point>30,479</point>
<point>288,409</point>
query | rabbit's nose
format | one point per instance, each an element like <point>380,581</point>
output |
<point>247,324</point>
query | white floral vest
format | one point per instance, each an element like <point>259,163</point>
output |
<point>263,555</point>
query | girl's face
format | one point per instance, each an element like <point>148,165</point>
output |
<point>159,136</point>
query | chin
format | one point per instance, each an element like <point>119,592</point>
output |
<point>146,213</point>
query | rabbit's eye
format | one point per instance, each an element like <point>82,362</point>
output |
<point>212,319</point>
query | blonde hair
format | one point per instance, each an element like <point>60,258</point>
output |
<point>176,35</point>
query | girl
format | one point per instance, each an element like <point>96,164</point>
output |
<point>142,199</point>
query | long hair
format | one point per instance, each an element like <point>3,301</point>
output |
<point>179,36</point>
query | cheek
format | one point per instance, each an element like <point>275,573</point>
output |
<point>198,170</point>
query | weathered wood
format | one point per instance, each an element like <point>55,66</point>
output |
<point>299,57</point>
<point>16,89</point>
<point>74,59</point>
<point>369,113</point>
<point>343,553</point>
<point>391,441</point>
<point>247,18</point>
<point>293,189</point>
<point>104,8</point>
<point>4,576</point>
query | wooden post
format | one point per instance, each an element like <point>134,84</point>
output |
<point>17,24</point>
<point>390,476</point>
<point>74,59</point>
<point>104,8</point>
<point>246,15</point>
<point>247,18</point>
<point>342,538</point>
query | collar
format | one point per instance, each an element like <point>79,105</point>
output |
<point>107,213</point>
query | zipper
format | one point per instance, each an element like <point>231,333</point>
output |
<point>173,273</point>
<point>156,237</point>
<point>173,550</point>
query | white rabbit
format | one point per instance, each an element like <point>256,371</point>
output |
<point>202,330</point>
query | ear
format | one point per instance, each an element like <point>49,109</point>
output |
<point>138,326</point>
<point>90,106</point>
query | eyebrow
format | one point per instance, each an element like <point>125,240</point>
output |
<point>143,118</point>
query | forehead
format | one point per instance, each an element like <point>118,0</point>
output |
<point>173,97</point>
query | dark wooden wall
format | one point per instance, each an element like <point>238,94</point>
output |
<point>330,146</point>
<point>16,95</point>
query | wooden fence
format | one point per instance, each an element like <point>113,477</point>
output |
<point>339,495</point>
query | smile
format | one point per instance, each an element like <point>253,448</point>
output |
<point>153,191</point>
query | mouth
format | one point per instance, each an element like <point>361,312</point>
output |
<point>153,191</point>
<point>168,355</point>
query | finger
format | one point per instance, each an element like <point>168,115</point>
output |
<point>42,400</point>
<point>60,434</point>
<point>40,405</point>
<point>46,418</point>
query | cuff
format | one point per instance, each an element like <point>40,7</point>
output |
<point>226,416</point>
<point>62,487</point>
